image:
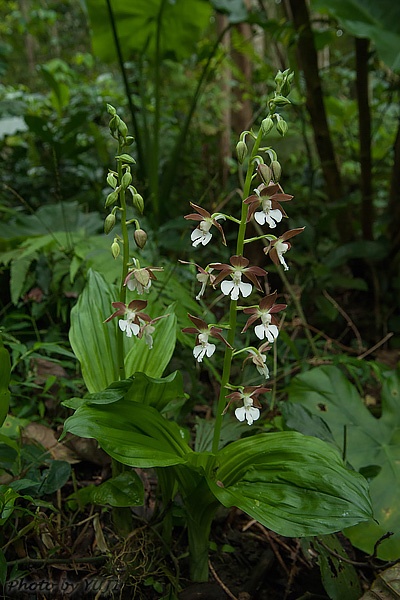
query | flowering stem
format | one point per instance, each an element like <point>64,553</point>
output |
<point>232,310</point>
<point>125,260</point>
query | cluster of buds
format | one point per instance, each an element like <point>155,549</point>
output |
<point>135,323</point>
<point>264,205</point>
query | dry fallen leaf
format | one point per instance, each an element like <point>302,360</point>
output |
<point>46,437</point>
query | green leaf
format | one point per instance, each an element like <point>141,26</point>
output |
<point>136,23</point>
<point>126,489</point>
<point>159,393</point>
<point>378,21</point>
<point>18,272</point>
<point>56,476</point>
<point>293,484</point>
<point>133,433</point>
<point>94,342</point>
<point>5,371</point>
<point>339,578</point>
<point>154,361</point>
<point>325,391</point>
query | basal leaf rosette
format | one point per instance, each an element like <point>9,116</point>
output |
<point>293,484</point>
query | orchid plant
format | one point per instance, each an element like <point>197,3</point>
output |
<point>293,484</point>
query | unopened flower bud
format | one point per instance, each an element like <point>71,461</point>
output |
<point>265,173</point>
<point>285,88</point>
<point>111,199</point>
<point>112,180</point>
<point>111,110</point>
<point>276,171</point>
<point>126,180</point>
<point>115,249</point>
<point>138,202</point>
<point>279,77</point>
<point>241,150</point>
<point>113,124</point>
<point>281,100</point>
<point>282,127</point>
<point>140,238</point>
<point>109,223</point>
<point>267,124</point>
<point>122,128</point>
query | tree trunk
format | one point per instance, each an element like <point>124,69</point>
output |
<point>308,59</point>
<point>364,132</point>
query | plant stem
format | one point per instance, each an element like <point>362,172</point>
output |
<point>232,311</point>
<point>136,129</point>
<point>125,260</point>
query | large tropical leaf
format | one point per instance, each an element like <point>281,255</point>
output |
<point>378,21</point>
<point>292,484</point>
<point>126,421</point>
<point>372,445</point>
<point>181,24</point>
<point>134,434</point>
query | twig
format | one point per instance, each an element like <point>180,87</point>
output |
<point>385,339</point>
<point>346,560</point>
<point>385,536</point>
<point>56,561</point>
<point>276,551</point>
<point>221,583</point>
<point>346,316</point>
<point>329,339</point>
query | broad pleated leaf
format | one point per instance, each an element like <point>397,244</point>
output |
<point>378,21</point>
<point>163,394</point>
<point>126,489</point>
<point>153,361</point>
<point>136,23</point>
<point>370,442</point>
<point>133,433</point>
<point>292,484</point>
<point>94,342</point>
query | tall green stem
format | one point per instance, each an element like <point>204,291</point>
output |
<point>136,129</point>
<point>232,311</point>
<point>125,260</point>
